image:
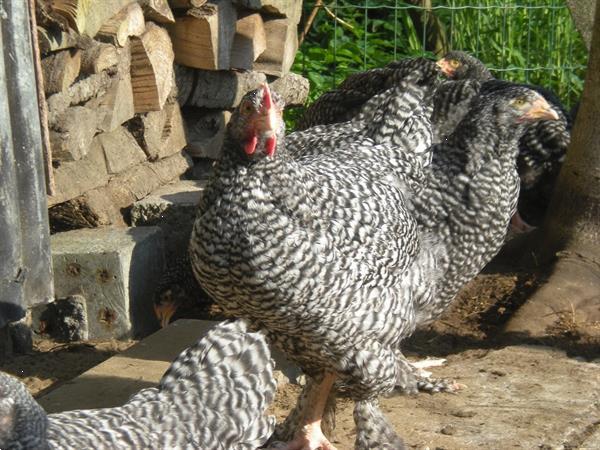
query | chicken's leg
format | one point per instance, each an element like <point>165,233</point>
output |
<point>310,436</point>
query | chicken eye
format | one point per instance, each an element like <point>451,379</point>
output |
<point>518,102</point>
<point>247,107</point>
<point>454,63</point>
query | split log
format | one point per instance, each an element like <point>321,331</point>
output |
<point>79,92</point>
<point>249,41</point>
<point>282,45</point>
<point>98,57</point>
<point>121,150</point>
<point>151,68</point>
<point>72,134</point>
<point>127,22</point>
<point>222,90</point>
<point>293,88</point>
<point>60,70</point>
<point>157,10</point>
<point>292,9</point>
<point>104,205</point>
<point>204,36</point>
<point>116,106</point>
<point>205,132</point>
<point>73,178</point>
<point>88,16</point>
<point>163,131</point>
<point>51,40</point>
<point>186,4</point>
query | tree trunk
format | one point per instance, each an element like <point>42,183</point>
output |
<point>571,230</point>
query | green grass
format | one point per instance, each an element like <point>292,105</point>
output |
<point>534,42</point>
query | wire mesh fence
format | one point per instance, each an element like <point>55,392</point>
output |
<point>534,42</point>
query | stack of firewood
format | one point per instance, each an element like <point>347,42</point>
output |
<point>129,84</point>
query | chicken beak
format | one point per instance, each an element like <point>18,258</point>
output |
<point>444,66</point>
<point>540,109</point>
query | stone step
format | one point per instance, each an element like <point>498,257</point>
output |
<point>112,272</point>
<point>112,382</point>
<point>173,209</point>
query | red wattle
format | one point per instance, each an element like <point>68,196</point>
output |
<point>270,145</point>
<point>250,145</point>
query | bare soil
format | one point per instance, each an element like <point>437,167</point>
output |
<point>520,392</point>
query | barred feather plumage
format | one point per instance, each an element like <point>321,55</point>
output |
<point>213,396</point>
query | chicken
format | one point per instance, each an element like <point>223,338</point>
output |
<point>343,103</point>
<point>541,149</point>
<point>337,258</point>
<point>313,251</point>
<point>177,287</point>
<point>213,396</point>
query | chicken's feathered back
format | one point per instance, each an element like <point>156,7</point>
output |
<point>345,102</point>
<point>213,396</point>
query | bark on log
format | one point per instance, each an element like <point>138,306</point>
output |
<point>98,57</point>
<point>292,9</point>
<point>60,70</point>
<point>74,178</point>
<point>293,88</point>
<point>72,134</point>
<point>222,90</point>
<point>186,4</point>
<point>205,132</point>
<point>78,93</point>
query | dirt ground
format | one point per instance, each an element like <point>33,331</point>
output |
<point>519,393</point>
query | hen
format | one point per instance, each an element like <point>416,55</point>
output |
<point>213,396</point>
<point>541,148</point>
<point>326,246</point>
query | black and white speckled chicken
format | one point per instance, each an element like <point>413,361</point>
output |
<point>345,102</point>
<point>213,396</point>
<point>541,149</point>
<point>325,251</point>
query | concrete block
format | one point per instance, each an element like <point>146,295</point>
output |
<point>173,209</point>
<point>112,382</point>
<point>116,270</point>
